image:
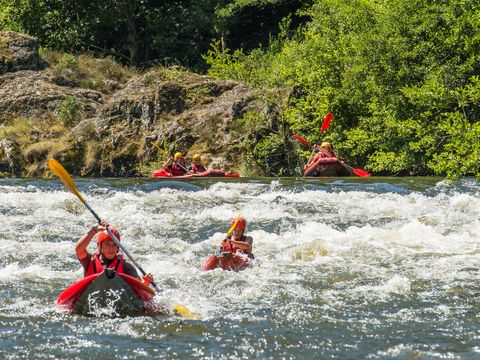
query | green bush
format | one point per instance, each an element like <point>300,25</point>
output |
<point>70,111</point>
<point>400,77</point>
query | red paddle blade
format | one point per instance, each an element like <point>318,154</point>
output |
<point>327,121</point>
<point>362,173</point>
<point>302,140</point>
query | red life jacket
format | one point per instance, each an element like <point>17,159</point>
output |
<point>96,266</point>
<point>197,169</point>
<point>175,169</point>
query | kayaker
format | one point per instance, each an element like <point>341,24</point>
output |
<point>326,149</point>
<point>238,242</point>
<point>176,165</point>
<point>196,166</point>
<point>107,254</point>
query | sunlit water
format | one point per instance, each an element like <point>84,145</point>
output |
<point>358,268</point>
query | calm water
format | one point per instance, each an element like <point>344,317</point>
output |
<point>379,268</point>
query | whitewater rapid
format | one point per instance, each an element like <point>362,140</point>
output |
<point>375,268</point>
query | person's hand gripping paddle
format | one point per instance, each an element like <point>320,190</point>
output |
<point>60,171</point>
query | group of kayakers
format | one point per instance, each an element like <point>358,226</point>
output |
<point>107,254</point>
<point>176,165</point>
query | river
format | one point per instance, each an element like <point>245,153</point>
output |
<point>378,268</point>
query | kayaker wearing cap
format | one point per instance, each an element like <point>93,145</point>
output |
<point>196,166</point>
<point>238,242</point>
<point>107,254</point>
<point>176,165</point>
<point>326,149</point>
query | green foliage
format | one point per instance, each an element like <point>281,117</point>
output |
<point>399,76</point>
<point>144,32</point>
<point>70,111</point>
<point>266,144</point>
<point>7,21</point>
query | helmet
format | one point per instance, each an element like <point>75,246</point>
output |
<point>241,223</point>
<point>104,235</point>
<point>196,157</point>
<point>326,145</point>
<point>177,155</point>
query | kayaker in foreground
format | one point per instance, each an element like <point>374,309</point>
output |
<point>196,166</point>
<point>107,254</point>
<point>176,165</point>
<point>238,242</point>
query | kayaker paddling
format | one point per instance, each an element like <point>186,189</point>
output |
<point>235,253</point>
<point>107,255</point>
<point>237,241</point>
<point>323,151</point>
<point>325,148</point>
<point>175,165</point>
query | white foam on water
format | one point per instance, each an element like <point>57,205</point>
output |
<point>317,251</point>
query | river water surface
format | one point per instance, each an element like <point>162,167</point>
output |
<point>378,268</point>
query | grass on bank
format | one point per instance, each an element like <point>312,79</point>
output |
<point>104,75</point>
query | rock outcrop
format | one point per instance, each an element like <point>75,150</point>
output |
<point>45,114</point>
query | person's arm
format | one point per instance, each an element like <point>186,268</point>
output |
<point>167,163</point>
<point>244,245</point>
<point>129,269</point>
<point>325,152</point>
<point>82,243</point>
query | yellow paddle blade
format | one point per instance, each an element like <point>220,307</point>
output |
<point>154,143</point>
<point>233,226</point>
<point>183,311</point>
<point>162,151</point>
<point>60,171</point>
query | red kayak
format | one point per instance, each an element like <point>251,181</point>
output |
<point>331,166</point>
<point>209,173</point>
<point>227,261</point>
<point>108,293</point>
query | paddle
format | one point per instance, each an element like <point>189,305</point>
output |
<point>234,225</point>
<point>358,172</point>
<point>60,171</point>
<point>303,141</point>
<point>163,151</point>
<point>154,143</point>
<point>219,253</point>
<point>325,124</point>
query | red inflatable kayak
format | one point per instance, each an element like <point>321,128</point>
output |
<point>108,293</point>
<point>331,166</point>
<point>209,173</point>
<point>227,261</point>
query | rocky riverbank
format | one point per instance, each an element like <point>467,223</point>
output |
<point>99,118</point>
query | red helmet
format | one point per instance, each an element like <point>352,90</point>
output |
<point>241,223</point>
<point>104,235</point>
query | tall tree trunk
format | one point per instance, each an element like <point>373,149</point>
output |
<point>132,41</point>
